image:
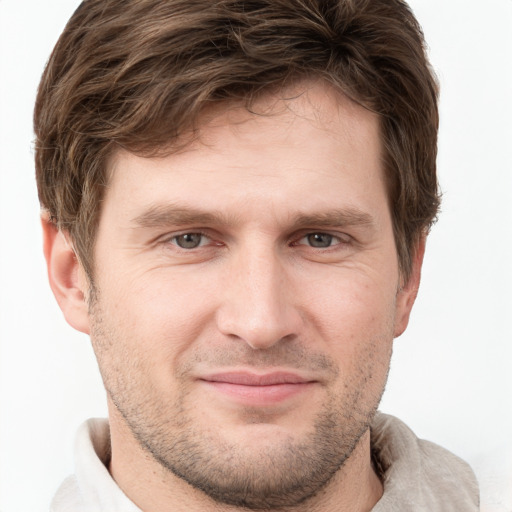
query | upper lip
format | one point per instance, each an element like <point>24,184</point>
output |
<point>244,378</point>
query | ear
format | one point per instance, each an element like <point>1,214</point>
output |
<point>66,276</point>
<point>409,290</point>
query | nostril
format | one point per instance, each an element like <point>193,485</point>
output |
<point>259,329</point>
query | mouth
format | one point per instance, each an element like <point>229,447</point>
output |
<point>258,389</point>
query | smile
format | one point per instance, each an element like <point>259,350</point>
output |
<point>253,389</point>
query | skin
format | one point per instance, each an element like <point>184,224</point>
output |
<point>295,273</point>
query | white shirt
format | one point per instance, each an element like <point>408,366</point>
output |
<point>417,475</point>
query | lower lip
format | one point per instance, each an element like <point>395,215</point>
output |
<point>260,395</point>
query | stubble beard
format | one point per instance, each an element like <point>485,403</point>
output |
<point>273,476</point>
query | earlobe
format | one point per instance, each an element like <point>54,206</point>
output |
<point>66,276</point>
<point>407,294</point>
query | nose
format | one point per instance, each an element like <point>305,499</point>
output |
<point>257,303</point>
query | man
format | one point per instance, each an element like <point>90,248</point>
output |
<point>236,198</point>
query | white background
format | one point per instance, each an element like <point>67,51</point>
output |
<point>451,377</point>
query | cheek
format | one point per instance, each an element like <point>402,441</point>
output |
<point>157,316</point>
<point>353,316</point>
<point>357,332</point>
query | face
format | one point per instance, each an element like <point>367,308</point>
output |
<point>247,296</point>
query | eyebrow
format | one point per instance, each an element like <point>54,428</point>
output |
<point>177,215</point>
<point>339,217</point>
<point>173,214</point>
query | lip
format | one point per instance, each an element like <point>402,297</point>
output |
<point>258,389</point>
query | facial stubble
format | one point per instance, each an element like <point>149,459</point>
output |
<point>274,475</point>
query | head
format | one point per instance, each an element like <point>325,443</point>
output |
<point>139,75</point>
<point>241,191</point>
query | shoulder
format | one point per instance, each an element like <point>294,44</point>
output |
<point>91,488</point>
<point>418,474</point>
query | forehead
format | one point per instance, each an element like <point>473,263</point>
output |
<point>285,144</point>
<point>316,104</point>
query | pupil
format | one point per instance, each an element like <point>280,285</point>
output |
<point>320,240</point>
<point>189,240</point>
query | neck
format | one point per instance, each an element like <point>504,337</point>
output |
<point>354,488</point>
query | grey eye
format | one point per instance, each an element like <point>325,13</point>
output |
<point>320,240</point>
<point>189,240</point>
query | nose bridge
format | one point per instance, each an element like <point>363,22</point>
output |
<point>256,304</point>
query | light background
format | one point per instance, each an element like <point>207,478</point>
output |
<point>451,377</point>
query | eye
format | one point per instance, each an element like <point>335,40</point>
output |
<point>190,240</point>
<point>321,240</point>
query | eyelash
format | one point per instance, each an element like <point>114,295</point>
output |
<point>174,238</point>
<point>335,239</point>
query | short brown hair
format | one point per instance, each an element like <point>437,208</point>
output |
<point>137,74</point>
